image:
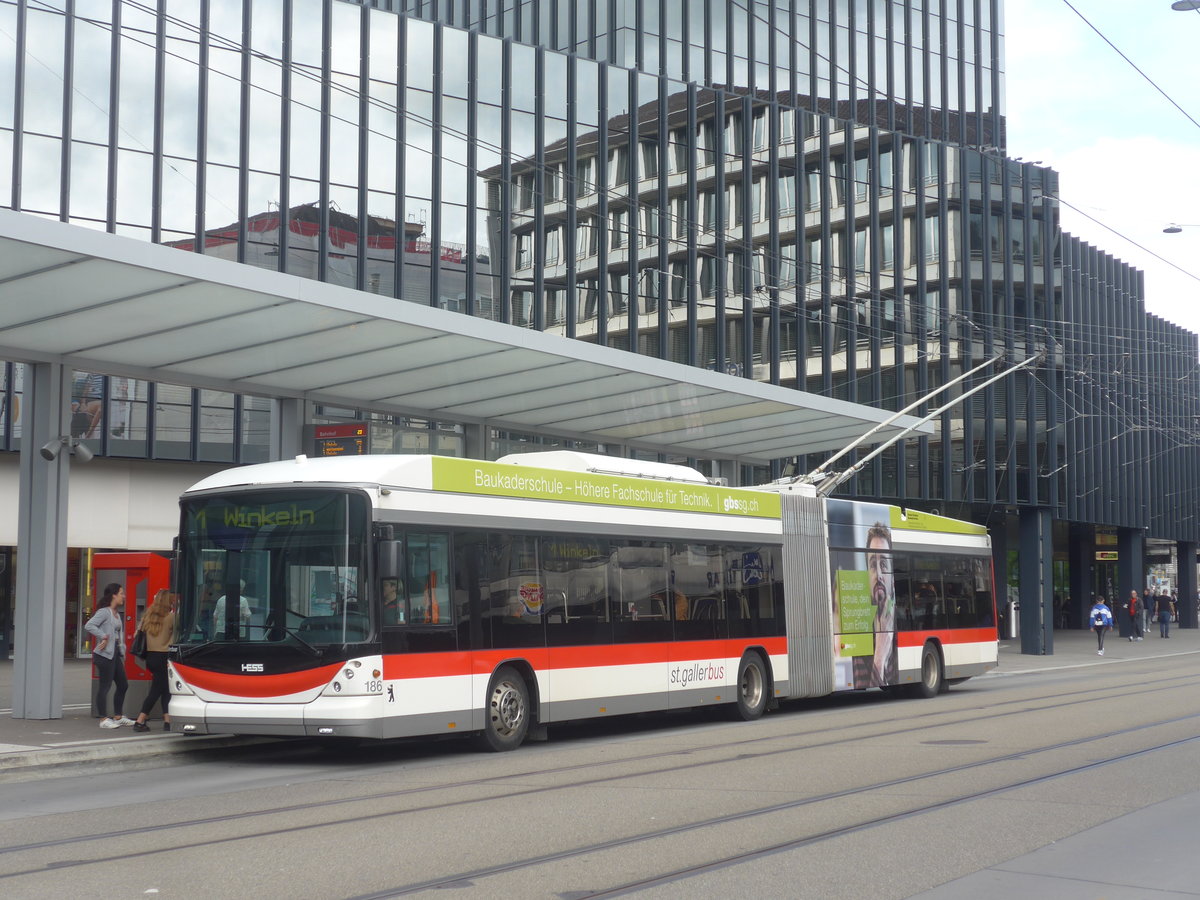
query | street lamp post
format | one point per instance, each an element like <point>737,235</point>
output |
<point>1186,5</point>
<point>1176,227</point>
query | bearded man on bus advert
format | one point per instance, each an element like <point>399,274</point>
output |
<point>883,598</point>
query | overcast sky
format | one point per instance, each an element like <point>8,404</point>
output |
<point>1126,156</point>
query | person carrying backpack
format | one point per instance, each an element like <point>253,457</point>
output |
<point>1101,620</point>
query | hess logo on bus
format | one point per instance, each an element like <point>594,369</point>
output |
<point>252,667</point>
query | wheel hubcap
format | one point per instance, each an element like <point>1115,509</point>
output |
<point>507,708</point>
<point>751,686</point>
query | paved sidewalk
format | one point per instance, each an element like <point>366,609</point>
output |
<point>29,744</point>
<point>26,744</point>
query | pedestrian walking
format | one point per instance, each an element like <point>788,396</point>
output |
<point>159,626</point>
<point>1101,619</point>
<point>1146,610</point>
<point>108,655</point>
<point>1165,610</point>
<point>1133,611</point>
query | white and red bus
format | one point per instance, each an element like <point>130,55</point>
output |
<point>388,596</point>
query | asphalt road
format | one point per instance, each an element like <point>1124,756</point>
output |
<point>854,797</point>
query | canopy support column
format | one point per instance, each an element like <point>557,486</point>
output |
<point>42,545</point>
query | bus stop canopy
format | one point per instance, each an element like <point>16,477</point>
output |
<point>73,298</point>
<point>103,303</point>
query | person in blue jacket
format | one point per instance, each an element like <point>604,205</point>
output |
<point>1101,620</point>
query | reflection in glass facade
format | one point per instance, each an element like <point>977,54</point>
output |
<point>807,194</point>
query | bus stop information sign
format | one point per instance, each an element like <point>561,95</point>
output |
<point>345,439</point>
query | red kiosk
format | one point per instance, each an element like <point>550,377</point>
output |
<point>142,574</point>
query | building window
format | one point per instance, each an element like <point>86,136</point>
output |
<point>707,281</point>
<point>619,219</point>
<point>586,296</point>
<point>787,266</point>
<point>649,159</point>
<point>651,225</point>
<point>256,429</point>
<point>172,422</point>
<point>522,308</point>
<point>524,250</point>
<point>761,130</point>
<point>813,184</point>
<point>887,247</point>
<point>705,144</point>
<point>585,176</point>
<point>787,126</point>
<point>812,261</point>
<point>733,205</point>
<point>553,183</point>
<point>786,192</point>
<point>618,166</point>
<point>733,135</point>
<point>883,173</point>
<point>586,238</point>
<point>933,232</point>
<point>862,177</point>
<point>523,190</point>
<point>679,151</point>
<point>217,424</point>
<point>618,293</point>
<point>556,306</point>
<point>553,244</point>
<point>127,407</point>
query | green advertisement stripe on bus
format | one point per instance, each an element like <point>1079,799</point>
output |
<point>920,521</point>
<point>468,476</point>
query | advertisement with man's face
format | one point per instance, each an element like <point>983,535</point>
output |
<point>864,594</point>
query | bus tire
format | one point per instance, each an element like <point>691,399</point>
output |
<point>751,688</point>
<point>931,680</point>
<point>506,714</point>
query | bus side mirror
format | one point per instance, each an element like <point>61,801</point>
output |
<point>389,559</point>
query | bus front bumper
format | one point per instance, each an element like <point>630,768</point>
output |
<point>324,717</point>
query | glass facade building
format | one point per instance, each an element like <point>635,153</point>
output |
<point>811,194</point>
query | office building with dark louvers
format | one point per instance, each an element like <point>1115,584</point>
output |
<point>810,195</point>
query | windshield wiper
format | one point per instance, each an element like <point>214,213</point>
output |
<point>290,632</point>
<point>187,650</point>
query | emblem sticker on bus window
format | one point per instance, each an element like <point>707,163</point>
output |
<point>532,597</point>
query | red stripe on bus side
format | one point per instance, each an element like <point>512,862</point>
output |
<point>484,662</point>
<point>235,685</point>
<point>956,636</point>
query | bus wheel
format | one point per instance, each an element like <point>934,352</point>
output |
<point>507,714</point>
<point>930,684</point>
<point>751,687</point>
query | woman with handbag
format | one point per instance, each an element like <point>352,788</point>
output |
<point>108,654</point>
<point>158,625</point>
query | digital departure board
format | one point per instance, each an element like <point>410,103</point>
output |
<point>346,439</point>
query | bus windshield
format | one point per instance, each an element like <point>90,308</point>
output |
<point>279,567</point>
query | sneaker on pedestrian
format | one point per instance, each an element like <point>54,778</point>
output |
<point>166,726</point>
<point>109,723</point>
<point>1139,638</point>
<point>123,720</point>
<point>140,726</point>
<point>1131,639</point>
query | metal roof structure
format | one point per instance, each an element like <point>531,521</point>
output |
<point>105,303</point>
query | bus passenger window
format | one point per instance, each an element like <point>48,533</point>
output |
<point>640,573</point>
<point>428,580</point>
<point>903,586</point>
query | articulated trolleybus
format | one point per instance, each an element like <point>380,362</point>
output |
<point>388,596</point>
